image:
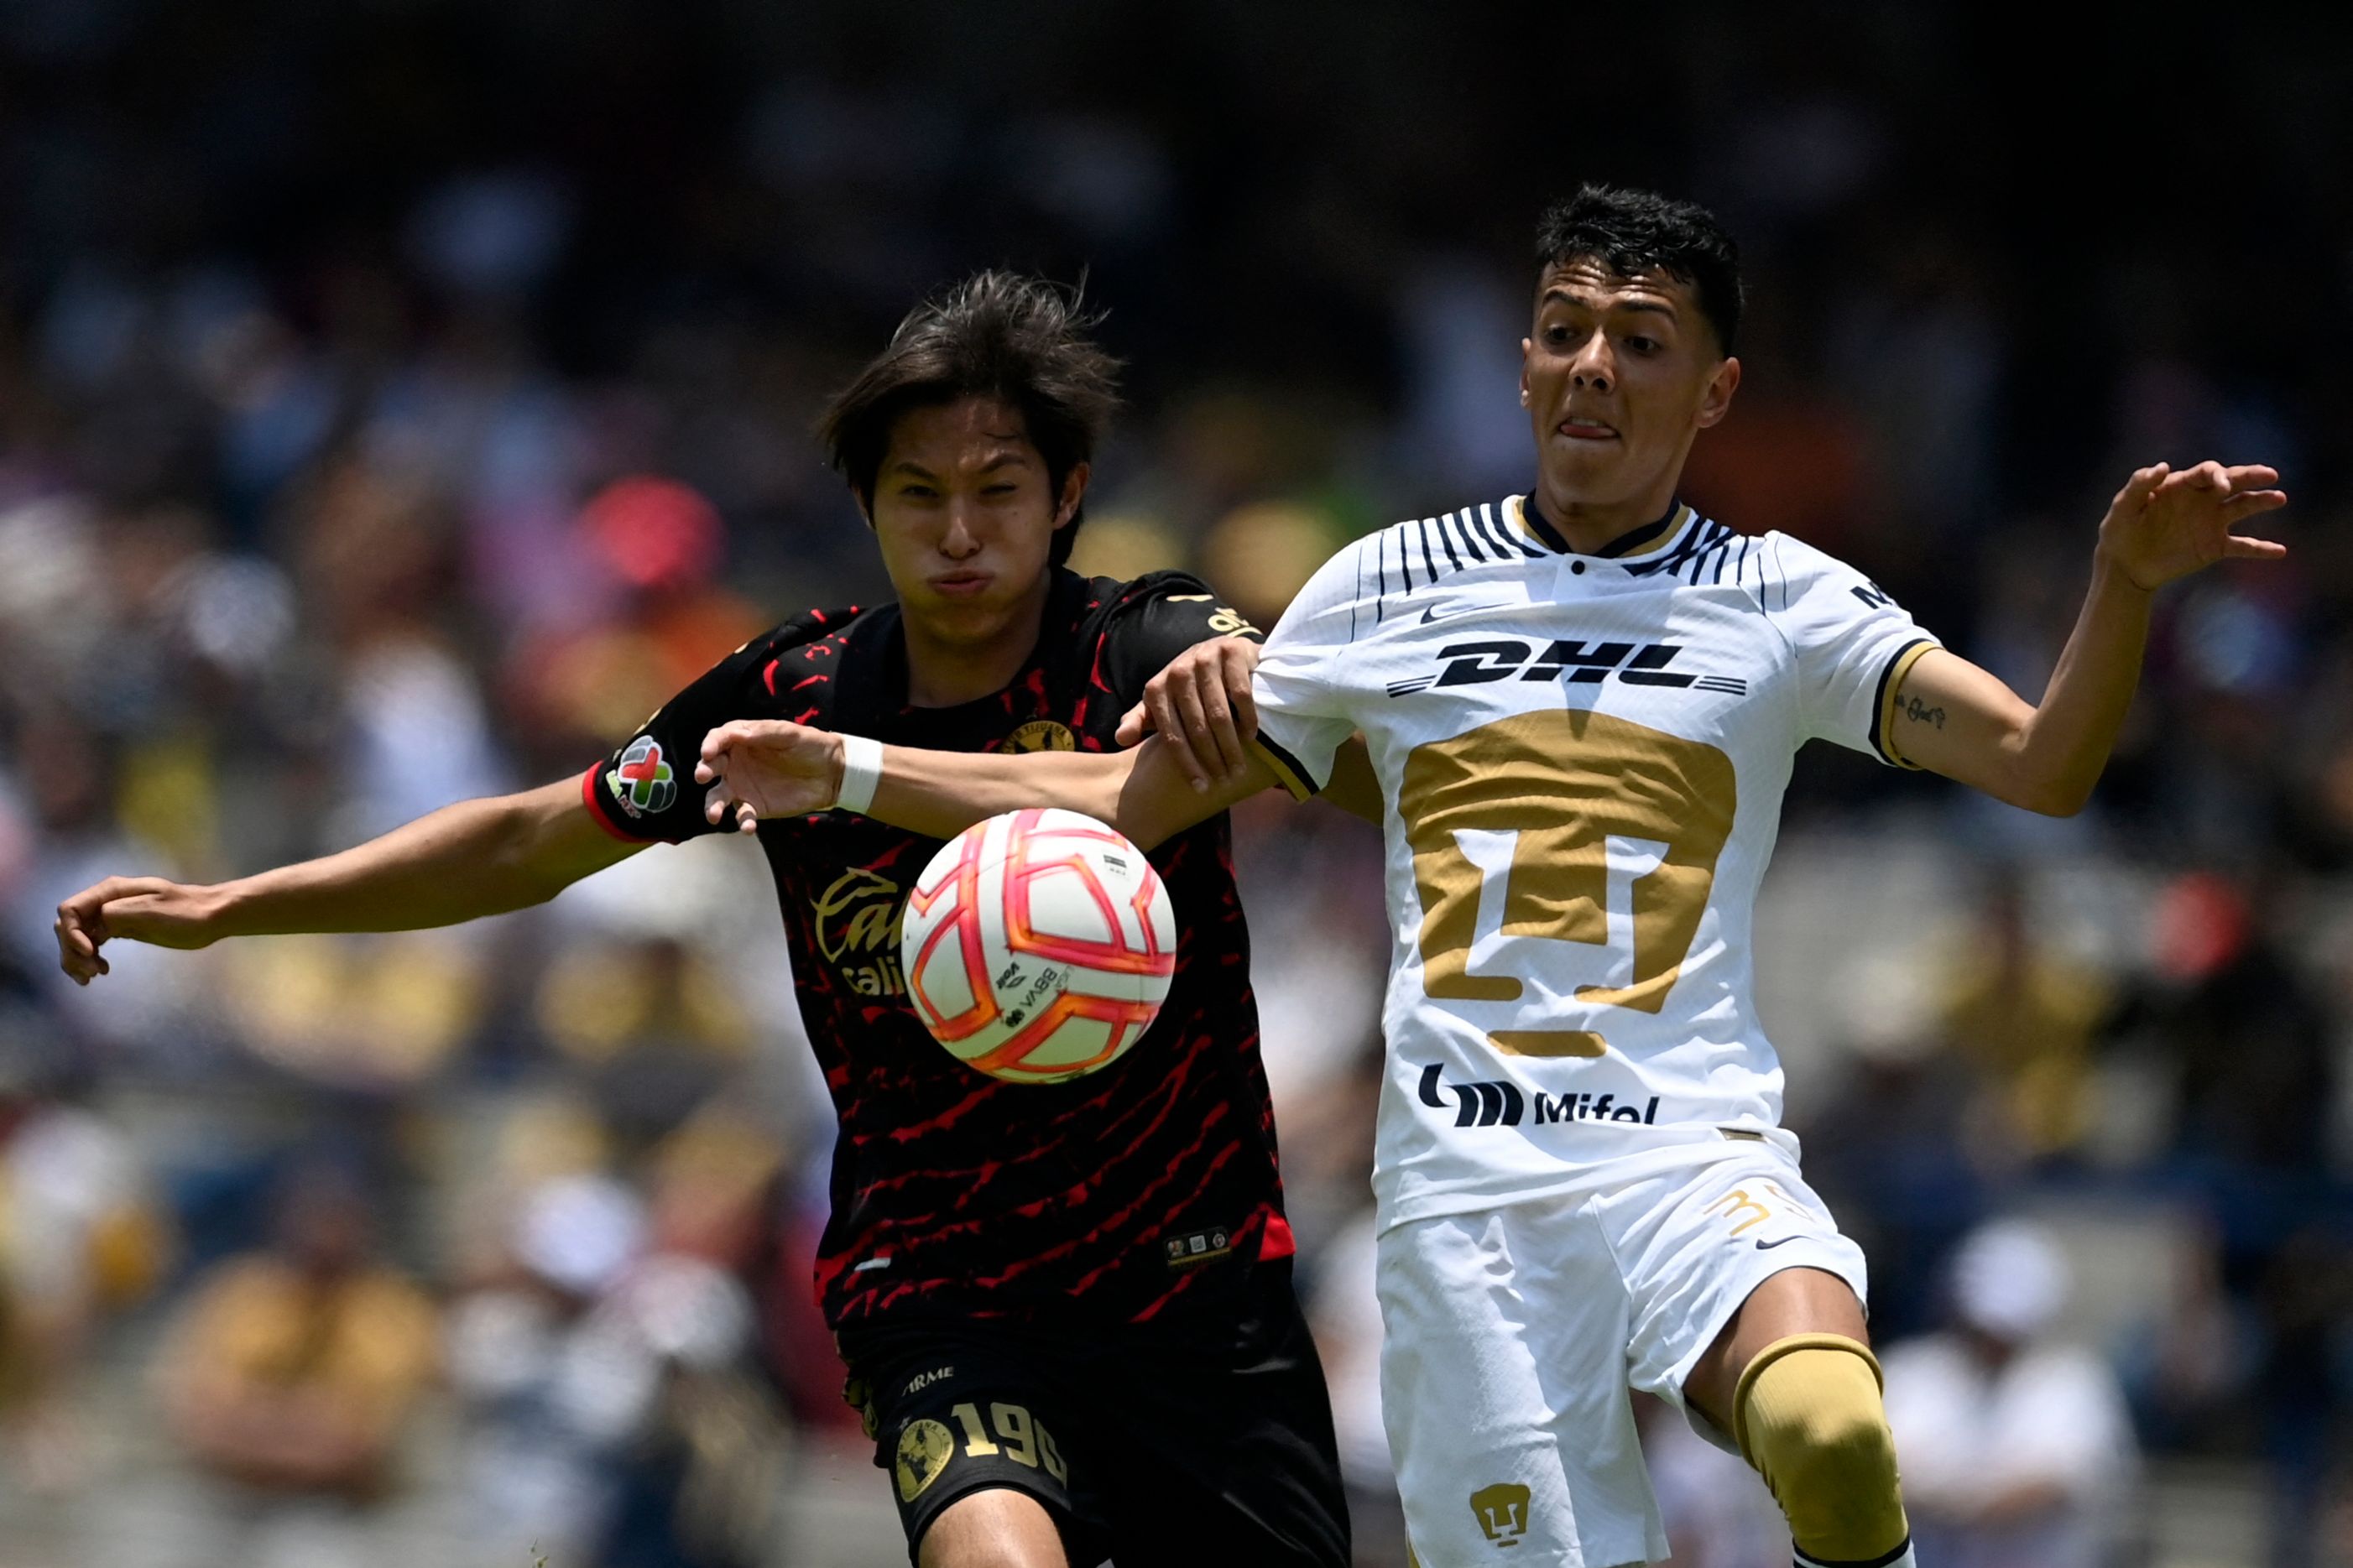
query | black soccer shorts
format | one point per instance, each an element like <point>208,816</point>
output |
<point>1145,1447</point>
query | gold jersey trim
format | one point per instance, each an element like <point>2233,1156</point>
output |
<point>1285,768</point>
<point>1515,514</point>
<point>1890,684</point>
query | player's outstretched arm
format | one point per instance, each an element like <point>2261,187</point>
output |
<point>477,857</point>
<point>1202,708</point>
<point>1955,719</point>
<point>769,767</point>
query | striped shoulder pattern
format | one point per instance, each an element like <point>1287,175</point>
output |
<point>1708,552</point>
<point>1416,554</point>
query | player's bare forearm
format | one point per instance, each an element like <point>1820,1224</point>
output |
<point>1202,708</point>
<point>1351,789</point>
<point>1145,792</point>
<point>941,794</point>
<point>1955,719</point>
<point>1160,799</point>
<point>769,768</point>
<point>2068,737</point>
<point>477,857</point>
<point>464,861</point>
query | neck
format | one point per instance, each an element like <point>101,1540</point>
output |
<point>1587,527</point>
<point>947,665</point>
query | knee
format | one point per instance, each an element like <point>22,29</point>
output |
<point>1809,1416</point>
<point>1826,1427</point>
<point>1837,1453</point>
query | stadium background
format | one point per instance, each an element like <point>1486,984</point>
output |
<point>399,399</point>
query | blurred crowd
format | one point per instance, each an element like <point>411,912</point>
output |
<point>398,401</point>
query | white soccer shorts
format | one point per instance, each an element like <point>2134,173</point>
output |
<point>1513,1333</point>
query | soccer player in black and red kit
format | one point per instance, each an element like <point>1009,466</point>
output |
<point>1067,1308</point>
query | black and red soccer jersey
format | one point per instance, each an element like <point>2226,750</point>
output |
<point>1145,1192</point>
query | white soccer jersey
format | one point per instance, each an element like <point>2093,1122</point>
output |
<point>1583,759</point>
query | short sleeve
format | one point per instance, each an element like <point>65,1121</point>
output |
<point>645,791</point>
<point>1852,645</point>
<point>1154,619</point>
<point>1304,713</point>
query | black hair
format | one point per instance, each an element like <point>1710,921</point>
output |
<point>1632,232</point>
<point>1021,341</point>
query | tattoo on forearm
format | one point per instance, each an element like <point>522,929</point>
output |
<point>1919,712</point>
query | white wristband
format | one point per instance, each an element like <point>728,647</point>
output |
<point>861,771</point>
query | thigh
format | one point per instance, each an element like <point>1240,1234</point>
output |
<point>956,1413</point>
<point>1503,1389</point>
<point>1697,1245</point>
<point>995,1525</point>
<point>1806,1301</point>
<point>1219,1453</point>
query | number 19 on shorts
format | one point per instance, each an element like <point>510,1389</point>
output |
<point>1017,1436</point>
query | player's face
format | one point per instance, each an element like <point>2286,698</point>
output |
<point>965,515</point>
<point>1618,377</point>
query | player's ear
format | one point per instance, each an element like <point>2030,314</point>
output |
<point>1716,401</point>
<point>1074,490</point>
<point>1528,347</point>
<point>865,505</point>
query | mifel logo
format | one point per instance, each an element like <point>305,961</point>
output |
<point>1501,1512</point>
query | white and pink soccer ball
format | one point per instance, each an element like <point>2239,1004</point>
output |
<point>1039,945</point>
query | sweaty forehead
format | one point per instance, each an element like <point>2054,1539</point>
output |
<point>1596,284</point>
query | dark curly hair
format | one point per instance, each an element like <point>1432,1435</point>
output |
<point>1021,341</point>
<point>1632,232</point>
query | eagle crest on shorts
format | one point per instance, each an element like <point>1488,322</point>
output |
<point>924,1450</point>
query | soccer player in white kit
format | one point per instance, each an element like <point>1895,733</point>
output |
<point>1579,707</point>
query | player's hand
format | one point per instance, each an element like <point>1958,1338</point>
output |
<point>1201,705</point>
<point>767,767</point>
<point>139,908</point>
<point>2166,524</point>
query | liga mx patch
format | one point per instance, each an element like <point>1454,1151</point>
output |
<point>1198,1247</point>
<point>643,782</point>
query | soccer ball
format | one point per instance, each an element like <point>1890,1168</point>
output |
<point>1038,945</point>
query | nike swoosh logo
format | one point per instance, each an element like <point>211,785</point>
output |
<point>1433,612</point>
<point>1769,1246</point>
